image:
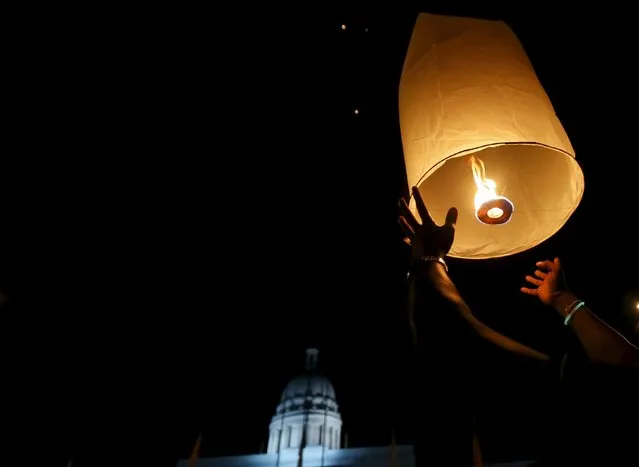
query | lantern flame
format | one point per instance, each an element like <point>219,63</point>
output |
<point>490,208</point>
<point>486,188</point>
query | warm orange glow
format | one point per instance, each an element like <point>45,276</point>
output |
<point>486,188</point>
<point>468,88</point>
<point>637,306</point>
<point>490,208</point>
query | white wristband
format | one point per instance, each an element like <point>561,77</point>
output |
<point>572,309</point>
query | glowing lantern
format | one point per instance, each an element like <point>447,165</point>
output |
<point>479,133</point>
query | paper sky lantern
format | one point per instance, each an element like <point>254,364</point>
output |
<point>479,133</point>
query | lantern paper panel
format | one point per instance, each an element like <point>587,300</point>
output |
<point>468,89</point>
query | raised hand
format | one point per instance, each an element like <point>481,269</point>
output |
<point>547,281</point>
<point>426,238</point>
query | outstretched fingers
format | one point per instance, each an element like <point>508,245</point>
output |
<point>533,281</point>
<point>421,209</point>
<point>541,274</point>
<point>407,215</point>
<point>406,227</point>
<point>551,266</point>
<point>451,217</point>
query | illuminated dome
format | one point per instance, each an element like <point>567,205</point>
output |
<point>309,383</point>
<point>308,401</point>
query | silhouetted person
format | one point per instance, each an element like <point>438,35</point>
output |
<point>588,420</point>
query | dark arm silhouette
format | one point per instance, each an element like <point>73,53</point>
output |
<point>432,291</point>
<point>601,343</point>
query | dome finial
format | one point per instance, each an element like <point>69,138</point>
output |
<point>311,359</point>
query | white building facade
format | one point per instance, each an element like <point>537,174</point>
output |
<point>308,417</point>
<point>307,412</point>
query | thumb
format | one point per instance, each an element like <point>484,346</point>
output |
<point>557,263</point>
<point>451,217</point>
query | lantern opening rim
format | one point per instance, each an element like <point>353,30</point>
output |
<point>500,202</point>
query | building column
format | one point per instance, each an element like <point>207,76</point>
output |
<point>274,440</point>
<point>269,446</point>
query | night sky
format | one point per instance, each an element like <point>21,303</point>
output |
<point>189,200</point>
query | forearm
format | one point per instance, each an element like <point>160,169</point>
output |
<point>431,283</point>
<point>601,343</point>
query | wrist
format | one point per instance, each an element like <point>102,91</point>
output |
<point>418,253</point>
<point>430,260</point>
<point>562,300</point>
<point>426,265</point>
